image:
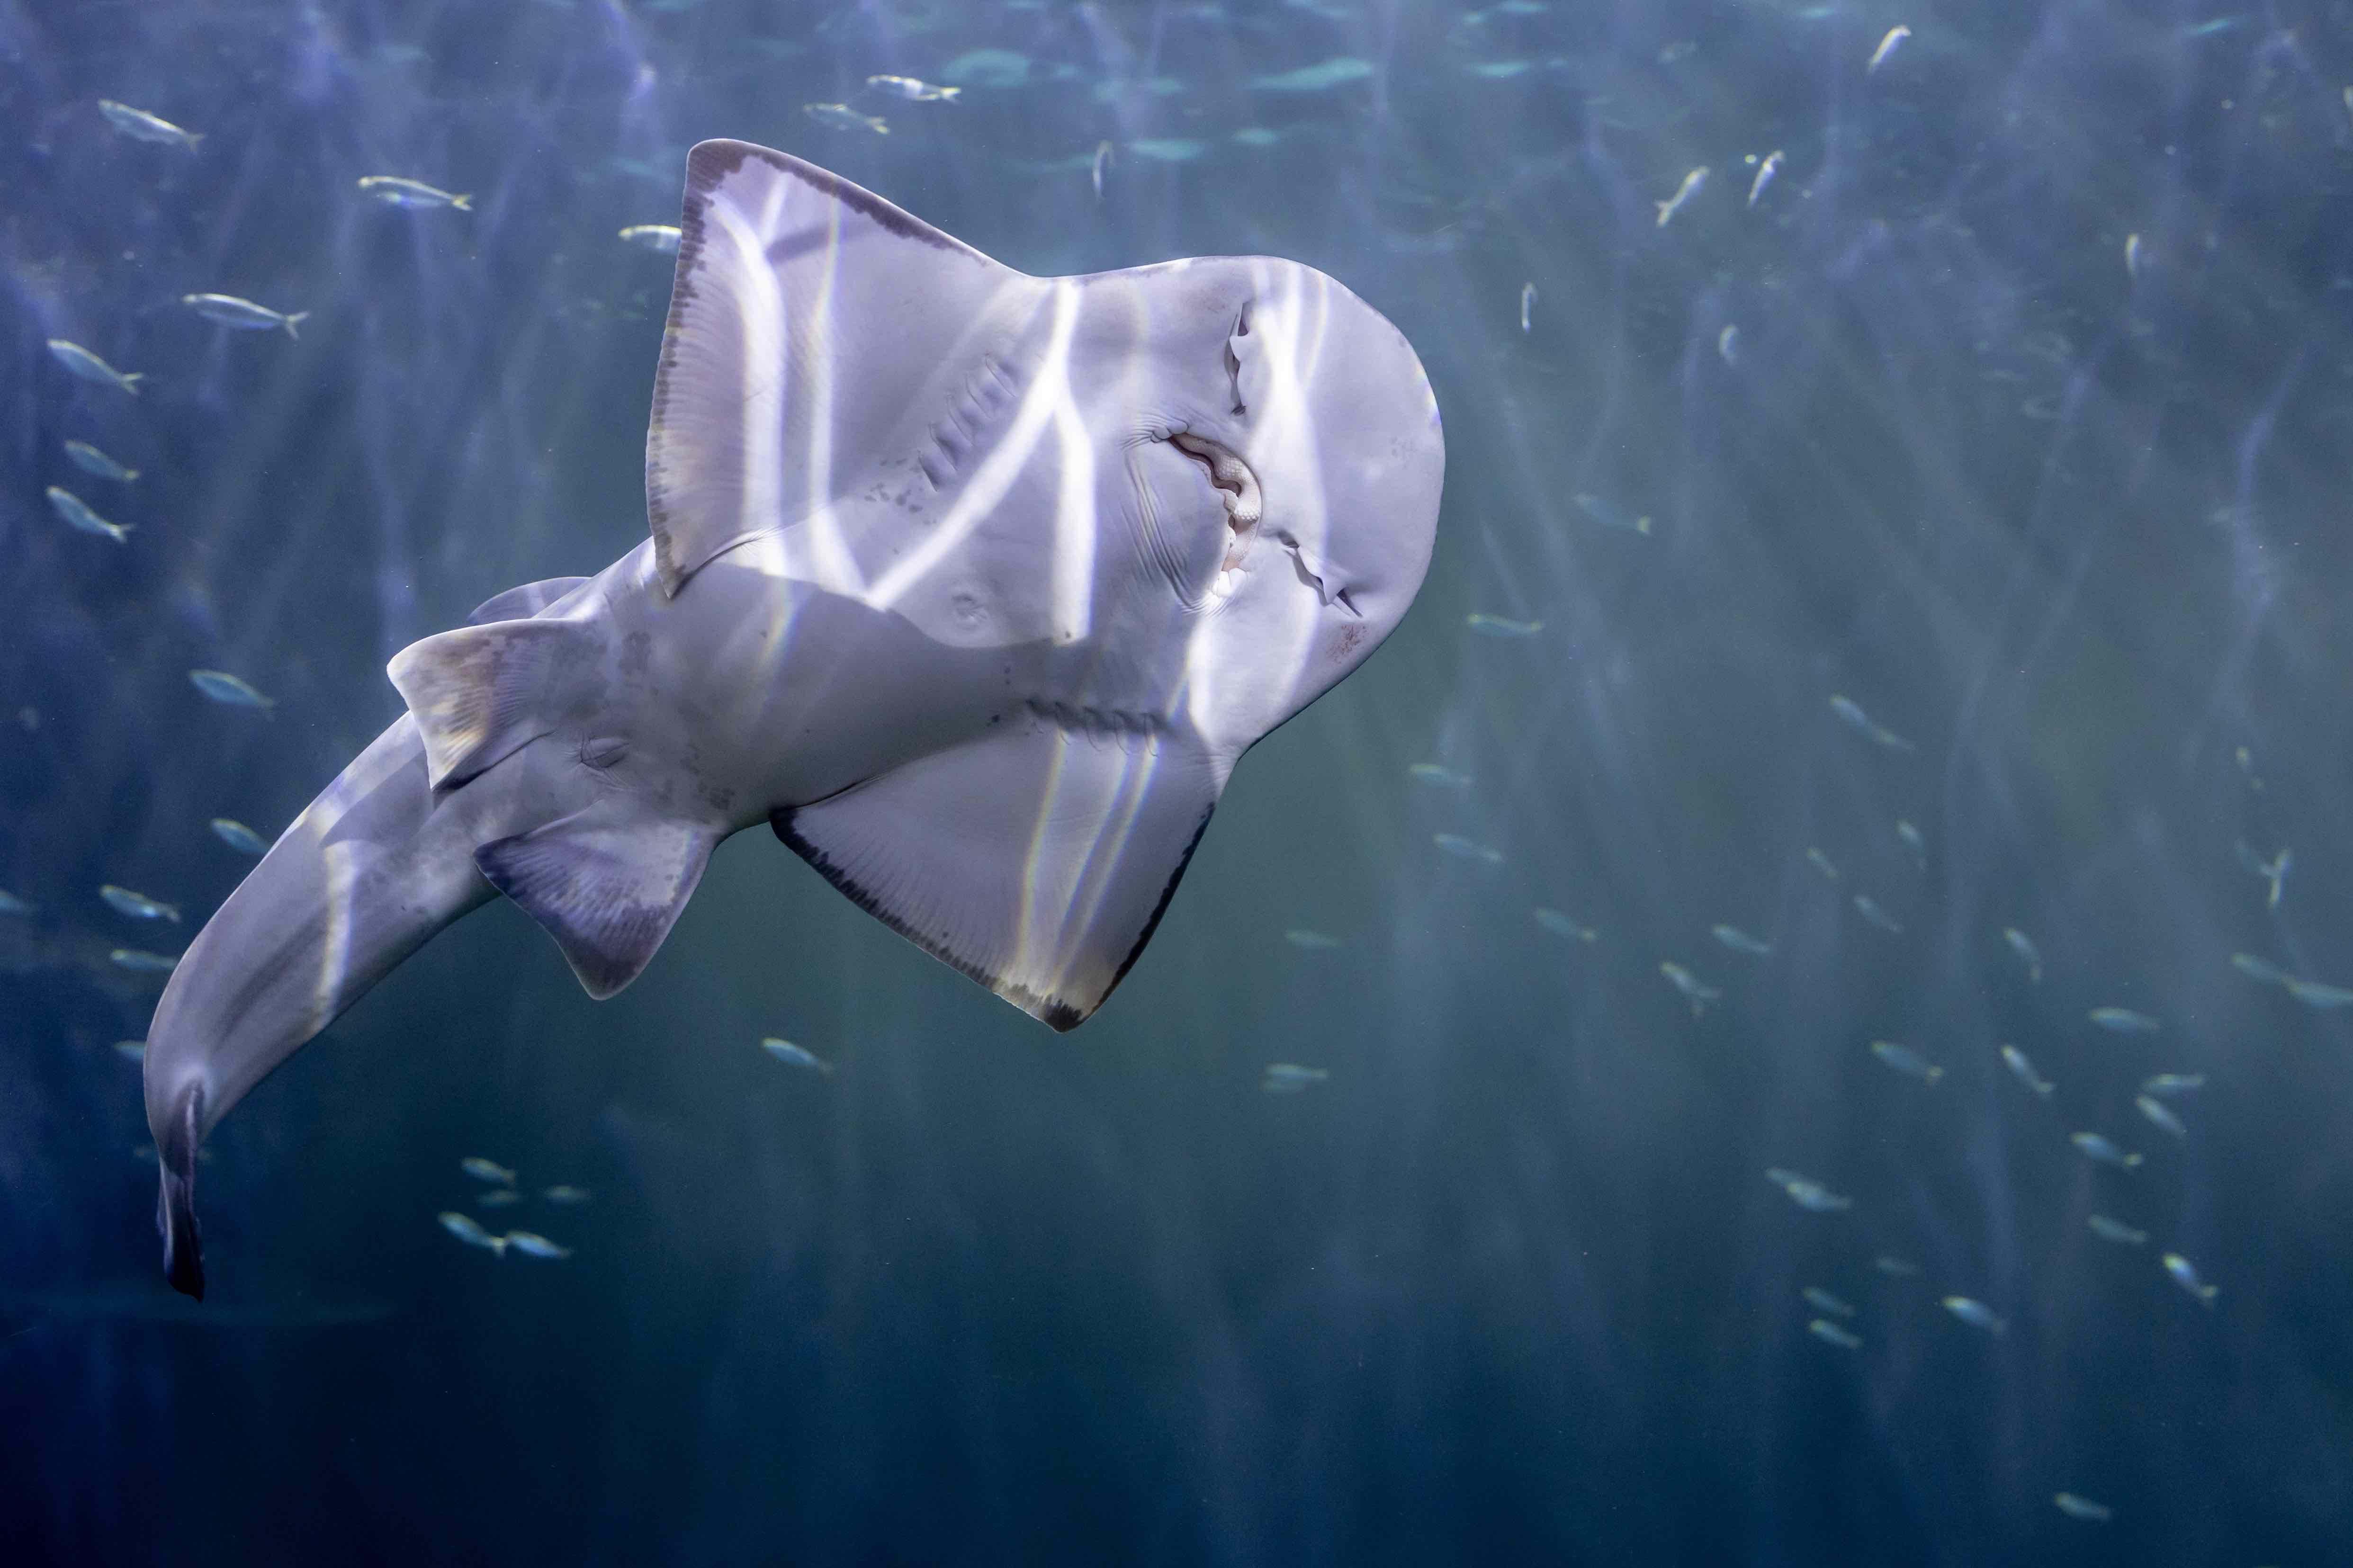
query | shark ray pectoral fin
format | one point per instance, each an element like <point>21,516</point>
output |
<point>521,604</point>
<point>1036,859</point>
<point>479,693</point>
<point>606,882</point>
<point>806,317</point>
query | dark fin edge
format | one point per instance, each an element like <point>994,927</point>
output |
<point>175,1199</point>
<point>1053,1011</point>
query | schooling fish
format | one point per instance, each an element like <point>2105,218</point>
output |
<point>2023,945</point>
<point>795,1056</point>
<point>912,90</point>
<point>1976,1314</point>
<point>1808,1193</point>
<point>1830,1333</point>
<point>1868,908</point>
<point>2124,1021</point>
<point>1560,925</point>
<point>2160,1115</point>
<point>90,460</point>
<point>483,1170</point>
<point>2082,1508</point>
<point>1311,941</point>
<point>393,191</point>
<point>2024,1072</point>
<point>1463,848</point>
<point>238,836</point>
<point>2098,1148</point>
<point>90,368</point>
<point>1895,35</point>
<point>2185,1274</point>
<point>228,691</point>
<point>1765,170</point>
<point>972,586</point>
<point>468,1230</point>
<point>228,310</point>
<point>1501,625</point>
<point>1289,1077</point>
<point>1696,990</point>
<point>2172,1083</point>
<point>841,117</point>
<point>1823,1301</point>
<point>138,906</point>
<point>1683,192</point>
<point>530,1244</point>
<point>141,126</point>
<point>80,518</point>
<point>2115,1230</point>
<point>1739,940</point>
<point>1906,1061</point>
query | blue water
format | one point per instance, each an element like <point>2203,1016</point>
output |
<point>1510,1284</point>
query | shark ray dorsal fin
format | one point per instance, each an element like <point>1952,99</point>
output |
<point>481,694</point>
<point>1036,859</point>
<point>806,316</point>
<point>607,883</point>
<point>522,603</point>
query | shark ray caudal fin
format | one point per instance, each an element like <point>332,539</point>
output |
<point>363,879</point>
<point>1036,859</point>
<point>606,882</point>
<point>806,317</point>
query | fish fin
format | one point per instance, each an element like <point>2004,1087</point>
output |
<point>806,316</point>
<point>175,1198</point>
<point>522,603</point>
<point>481,694</point>
<point>606,882</point>
<point>288,322</point>
<point>1038,858</point>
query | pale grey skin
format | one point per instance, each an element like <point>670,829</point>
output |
<point>974,585</point>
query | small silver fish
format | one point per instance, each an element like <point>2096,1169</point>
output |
<point>1814,1197</point>
<point>795,1056</point>
<point>1289,1077</point>
<point>132,1050</point>
<point>1527,306</point>
<point>10,904</point>
<point>1311,941</point>
<point>1696,990</point>
<point>2132,256</point>
<point>656,236</point>
<point>2115,1230</point>
<point>2185,1274</point>
<point>1463,848</point>
<point>1895,35</point>
<point>1821,862</point>
<point>138,906</point>
<point>1740,941</point>
<point>142,126</point>
<point>228,691</point>
<point>2255,968</point>
<point>2024,1071</point>
<point>841,117</point>
<point>228,310</point>
<point>1822,1300</point>
<point>465,1229</point>
<point>1868,908</point>
<point>1683,192</point>
<point>2124,1021</point>
<point>1906,1061</point>
<point>913,91</point>
<point>1486,625</point>
<point>1560,925</point>
<point>1769,166</point>
<point>564,1192</point>
<point>1440,774</point>
<point>393,191</point>
<point>497,1198</point>
<point>238,836</point>
<point>1609,514</point>
<point>144,963</point>
<point>2274,871</point>
<point>79,517</point>
<point>90,460</point>
<point>2098,1148</point>
<point>89,367</point>
<point>1976,1314</point>
<point>2246,758</point>
<point>1851,713</point>
<point>483,1170</point>
<point>1914,841</point>
<point>1896,1268</point>
<point>1728,344</point>
<point>1830,1333</point>
<point>2082,1508</point>
<point>2160,1116</point>
<point>2318,994</point>
<point>530,1244</point>
<point>2169,1083</point>
<point>1104,154</point>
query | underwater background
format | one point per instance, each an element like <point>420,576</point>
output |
<point>1916,547</point>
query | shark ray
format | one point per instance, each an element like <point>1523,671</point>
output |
<point>972,586</point>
